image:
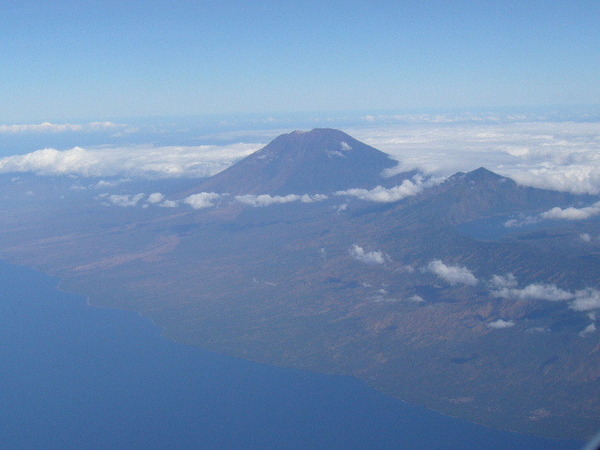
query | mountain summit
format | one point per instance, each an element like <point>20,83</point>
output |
<point>322,160</point>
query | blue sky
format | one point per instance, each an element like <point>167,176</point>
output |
<point>83,59</point>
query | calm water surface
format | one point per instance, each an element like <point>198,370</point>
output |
<point>74,376</point>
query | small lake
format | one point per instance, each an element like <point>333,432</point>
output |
<point>75,376</point>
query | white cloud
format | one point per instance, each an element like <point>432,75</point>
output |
<point>590,329</point>
<point>540,330</point>
<point>452,274</point>
<point>534,292</point>
<point>506,281</point>
<point>586,300</point>
<point>522,220</point>
<point>266,200</point>
<point>577,178</point>
<point>125,200</point>
<point>563,156</point>
<point>375,257</point>
<point>572,213</point>
<point>499,324</point>
<point>169,204</point>
<point>156,197</point>
<point>51,161</point>
<point>554,155</point>
<point>384,195</point>
<point>103,184</point>
<point>556,213</point>
<point>202,200</point>
<point>140,160</point>
<point>585,237</point>
<point>341,152</point>
<point>47,127</point>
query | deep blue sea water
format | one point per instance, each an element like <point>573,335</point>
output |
<point>75,376</point>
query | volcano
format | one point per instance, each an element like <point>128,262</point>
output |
<point>322,161</point>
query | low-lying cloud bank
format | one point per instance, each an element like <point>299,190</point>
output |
<point>140,160</point>
<point>555,155</point>
<point>562,156</point>
<point>203,200</point>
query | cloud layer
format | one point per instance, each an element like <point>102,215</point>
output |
<point>141,160</point>
<point>555,155</point>
<point>563,156</point>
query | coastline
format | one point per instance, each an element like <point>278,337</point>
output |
<point>164,334</point>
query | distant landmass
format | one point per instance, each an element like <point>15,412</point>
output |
<point>471,295</point>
